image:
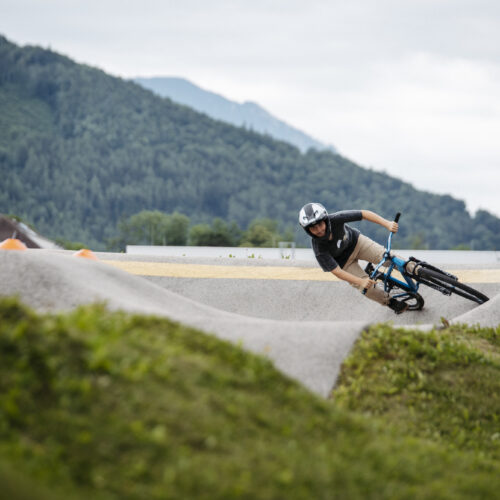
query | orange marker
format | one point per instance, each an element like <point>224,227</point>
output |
<point>86,254</point>
<point>12,244</point>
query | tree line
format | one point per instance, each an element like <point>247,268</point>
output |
<point>152,227</point>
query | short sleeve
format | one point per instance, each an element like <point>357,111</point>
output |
<point>347,216</point>
<point>326,262</point>
<point>324,257</point>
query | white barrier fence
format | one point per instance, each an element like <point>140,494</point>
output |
<point>223,252</point>
<point>306,254</point>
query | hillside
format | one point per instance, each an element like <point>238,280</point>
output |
<point>113,406</point>
<point>80,150</point>
<point>248,114</point>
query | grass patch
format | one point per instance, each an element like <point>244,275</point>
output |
<point>111,405</point>
<point>443,385</point>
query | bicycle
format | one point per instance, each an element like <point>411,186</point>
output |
<point>422,273</point>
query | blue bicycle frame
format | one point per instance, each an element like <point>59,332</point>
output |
<point>408,285</point>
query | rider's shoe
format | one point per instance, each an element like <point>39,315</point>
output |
<point>398,306</point>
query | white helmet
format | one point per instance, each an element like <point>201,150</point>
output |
<point>311,214</point>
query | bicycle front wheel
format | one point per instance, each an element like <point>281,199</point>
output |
<point>448,284</point>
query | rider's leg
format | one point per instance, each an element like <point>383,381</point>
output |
<point>374,293</point>
<point>367,249</point>
<point>370,251</point>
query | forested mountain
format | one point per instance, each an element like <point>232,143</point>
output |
<point>249,114</point>
<point>81,150</point>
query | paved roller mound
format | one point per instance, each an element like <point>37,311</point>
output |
<point>305,327</point>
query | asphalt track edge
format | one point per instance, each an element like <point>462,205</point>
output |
<point>309,351</point>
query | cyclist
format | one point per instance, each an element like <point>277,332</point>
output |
<point>338,247</point>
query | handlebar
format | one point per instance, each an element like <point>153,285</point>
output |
<point>389,241</point>
<point>389,244</point>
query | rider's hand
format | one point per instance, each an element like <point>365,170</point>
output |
<point>393,227</point>
<point>367,283</point>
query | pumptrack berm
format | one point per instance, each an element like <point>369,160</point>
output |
<point>299,317</point>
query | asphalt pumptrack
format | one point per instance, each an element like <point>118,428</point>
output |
<point>304,320</point>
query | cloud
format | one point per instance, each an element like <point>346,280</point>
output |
<point>409,87</point>
<point>430,120</point>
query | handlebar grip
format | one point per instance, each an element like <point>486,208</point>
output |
<point>398,215</point>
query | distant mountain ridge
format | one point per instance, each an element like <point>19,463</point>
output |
<point>81,151</point>
<point>247,114</point>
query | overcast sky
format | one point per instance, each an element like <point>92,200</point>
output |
<point>410,87</point>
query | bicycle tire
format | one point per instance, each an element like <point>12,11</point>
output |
<point>414,300</point>
<point>451,284</point>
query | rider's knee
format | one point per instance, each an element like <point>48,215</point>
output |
<point>410,267</point>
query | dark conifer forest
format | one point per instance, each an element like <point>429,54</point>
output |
<point>82,151</point>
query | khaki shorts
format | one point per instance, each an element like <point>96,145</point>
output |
<point>366,249</point>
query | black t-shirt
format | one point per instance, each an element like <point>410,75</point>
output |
<point>335,252</point>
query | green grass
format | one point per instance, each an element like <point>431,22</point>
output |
<point>443,386</point>
<point>110,405</point>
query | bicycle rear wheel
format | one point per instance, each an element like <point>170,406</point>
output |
<point>448,284</point>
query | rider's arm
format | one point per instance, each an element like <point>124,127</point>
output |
<point>350,278</point>
<point>375,218</point>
